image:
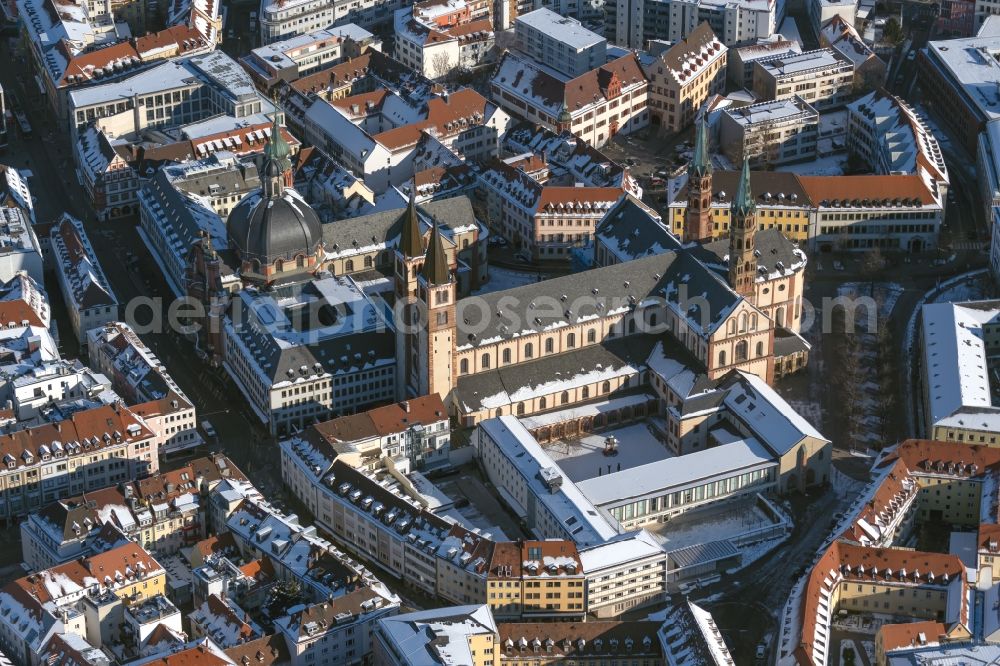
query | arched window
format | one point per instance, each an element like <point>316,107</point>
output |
<point>722,358</point>
<point>279,265</point>
<point>779,316</point>
<point>741,351</point>
<point>549,346</point>
<point>463,366</point>
<point>300,261</point>
<point>652,319</point>
<point>592,335</point>
<point>506,356</point>
<point>760,349</point>
<point>743,323</point>
<point>529,350</point>
<point>541,403</point>
<point>349,266</point>
<point>368,261</point>
<point>585,392</point>
<point>332,267</point>
<point>571,340</point>
<point>753,322</point>
<point>498,413</point>
<point>565,397</point>
<point>731,327</point>
<point>606,387</point>
<point>520,409</point>
<point>485,361</point>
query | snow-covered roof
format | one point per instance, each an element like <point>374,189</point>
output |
<point>566,29</point>
<point>575,513</point>
<point>760,408</point>
<point>437,636</point>
<point>675,474</point>
<point>955,364</point>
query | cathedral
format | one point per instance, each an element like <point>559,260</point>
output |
<point>714,306</point>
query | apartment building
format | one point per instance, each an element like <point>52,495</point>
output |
<point>440,40</point>
<point>594,106</point>
<point>735,23</point>
<point>291,59</point>
<point>139,377</point>
<point>861,212</point>
<point>770,133</point>
<point>287,18</point>
<point>741,59</point>
<point>892,138</point>
<point>337,631</point>
<point>164,513</point>
<point>843,37</point>
<point>547,220</point>
<point>84,287</point>
<point>459,635</point>
<point>291,379</point>
<point>822,78</point>
<point>378,135</point>
<point>108,178</point>
<point>171,94</point>
<point>22,251</point>
<point>559,41</point>
<point>540,580</point>
<point>88,596</point>
<point>683,77</point>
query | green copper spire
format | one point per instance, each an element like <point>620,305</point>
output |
<point>277,148</point>
<point>700,165</point>
<point>435,269</point>
<point>743,202</point>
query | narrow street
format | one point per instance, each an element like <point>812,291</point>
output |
<point>133,274</point>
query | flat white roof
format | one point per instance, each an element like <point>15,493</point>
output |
<point>567,30</point>
<point>799,63</point>
<point>957,375</point>
<point>676,474</point>
<point>573,510</point>
<point>768,112</point>
<point>972,63</point>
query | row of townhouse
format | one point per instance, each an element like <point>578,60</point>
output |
<point>101,598</point>
<point>393,527</point>
<point>163,513</point>
<point>84,287</point>
<point>379,135</point>
<point>138,376</point>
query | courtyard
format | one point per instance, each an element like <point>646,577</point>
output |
<point>584,458</point>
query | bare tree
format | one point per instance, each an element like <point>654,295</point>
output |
<point>441,65</point>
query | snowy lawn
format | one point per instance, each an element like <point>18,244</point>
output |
<point>580,459</point>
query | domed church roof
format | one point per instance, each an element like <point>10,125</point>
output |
<point>274,222</point>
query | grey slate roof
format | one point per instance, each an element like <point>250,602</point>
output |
<point>567,299</point>
<point>471,390</point>
<point>772,245</point>
<point>387,226</point>
<point>788,342</point>
<point>631,230</point>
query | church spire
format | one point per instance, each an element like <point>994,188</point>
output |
<point>435,269</point>
<point>410,241</point>
<point>701,164</point>
<point>743,202</point>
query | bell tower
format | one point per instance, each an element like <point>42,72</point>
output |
<point>698,218</point>
<point>409,259</point>
<point>437,290</point>
<point>742,232</point>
